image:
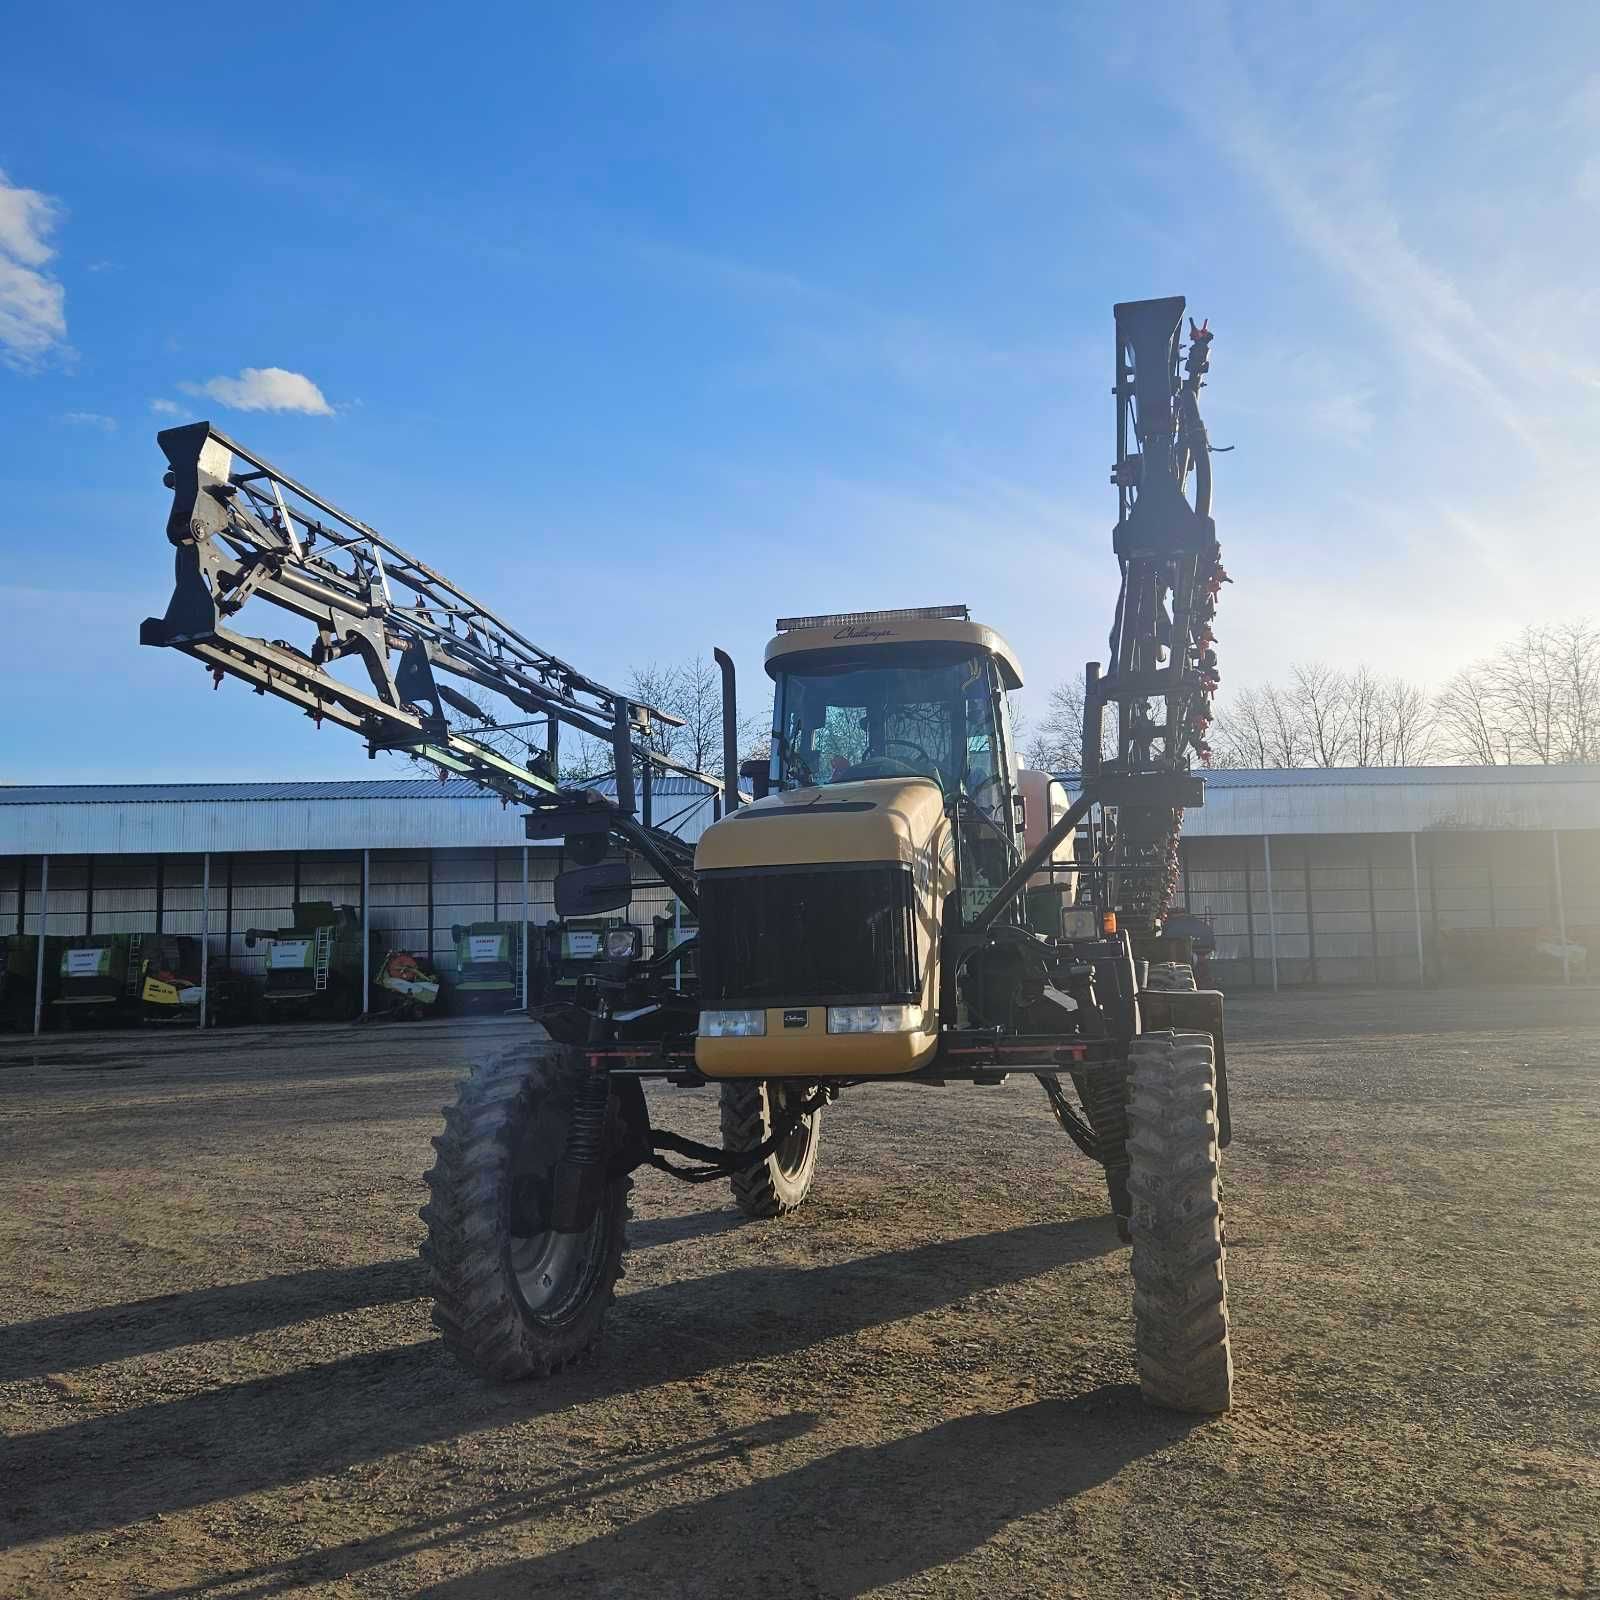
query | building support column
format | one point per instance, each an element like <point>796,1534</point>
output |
<point>1416,902</point>
<point>1311,921</point>
<point>38,960</point>
<point>1272,913</point>
<point>1249,917</point>
<point>366,931</point>
<point>526,1005</point>
<point>1561,907</point>
<point>88,896</point>
<point>161,891</point>
<point>1372,913</point>
<point>205,936</point>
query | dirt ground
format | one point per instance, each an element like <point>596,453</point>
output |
<point>217,1377</point>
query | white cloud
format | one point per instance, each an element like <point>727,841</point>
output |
<point>166,408</point>
<point>26,218</point>
<point>33,316</point>
<point>90,419</point>
<point>265,389</point>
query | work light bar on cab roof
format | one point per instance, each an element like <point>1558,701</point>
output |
<point>852,619</point>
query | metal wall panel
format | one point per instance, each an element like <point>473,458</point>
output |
<point>1364,900</point>
<point>175,827</point>
<point>1397,800</point>
<point>403,815</point>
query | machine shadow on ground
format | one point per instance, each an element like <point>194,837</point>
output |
<point>844,1524</point>
<point>92,1475</point>
<point>236,1310</point>
<point>866,1516</point>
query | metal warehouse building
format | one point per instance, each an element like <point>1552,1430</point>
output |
<point>1397,875</point>
<point>417,856</point>
<point>1385,876</point>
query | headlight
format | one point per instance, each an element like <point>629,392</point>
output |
<point>733,1024</point>
<point>621,944</point>
<point>874,1019</point>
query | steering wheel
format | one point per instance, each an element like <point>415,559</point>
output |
<point>909,744</point>
<point>887,766</point>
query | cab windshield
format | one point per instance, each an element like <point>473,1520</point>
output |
<point>892,712</point>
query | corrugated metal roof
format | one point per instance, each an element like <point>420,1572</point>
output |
<point>1391,777</point>
<point>102,794</point>
<point>1319,800</point>
<point>376,814</point>
<point>84,794</point>
<point>1375,777</point>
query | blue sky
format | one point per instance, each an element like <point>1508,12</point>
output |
<point>653,322</point>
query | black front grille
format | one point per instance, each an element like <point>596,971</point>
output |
<point>807,934</point>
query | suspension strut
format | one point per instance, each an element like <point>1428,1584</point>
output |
<point>580,1176</point>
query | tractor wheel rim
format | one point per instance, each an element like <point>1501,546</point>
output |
<point>552,1269</point>
<point>792,1151</point>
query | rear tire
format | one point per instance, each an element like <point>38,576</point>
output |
<point>513,1300</point>
<point>779,1184</point>
<point>1180,1276</point>
<point>1170,976</point>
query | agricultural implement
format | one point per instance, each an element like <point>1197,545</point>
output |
<point>314,967</point>
<point>489,967</point>
<point>898,902</point>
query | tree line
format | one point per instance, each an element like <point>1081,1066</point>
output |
<point>1535,700</point>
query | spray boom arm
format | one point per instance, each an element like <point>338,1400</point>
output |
<point>243,531</point>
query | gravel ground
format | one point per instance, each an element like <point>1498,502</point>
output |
<point>217,1377</point>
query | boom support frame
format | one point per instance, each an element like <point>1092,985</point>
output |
<point>243,530</point>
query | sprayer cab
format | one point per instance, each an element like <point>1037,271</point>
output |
<point>894,694</point>
<point>892,784</point>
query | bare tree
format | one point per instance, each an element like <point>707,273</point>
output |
<point>1409,724</point>
<point>1240,732</point>
<point>1527,691</point>
<point>1468,720</point>
<point>1287,743</point>
<point>1319,700</point>
<point>1536,699</point>
<point>1576,647</point>
<point>1056,744</point>
<point>691,690</point>
<point>1366,722</point>
<point>1325,718</point>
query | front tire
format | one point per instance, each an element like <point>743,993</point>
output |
<point>512,1298</point>
<point>779,1184</point>
<point>1180,1272</point>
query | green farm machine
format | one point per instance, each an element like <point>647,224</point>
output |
<point>488,967</point>
<point>314,968</point>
